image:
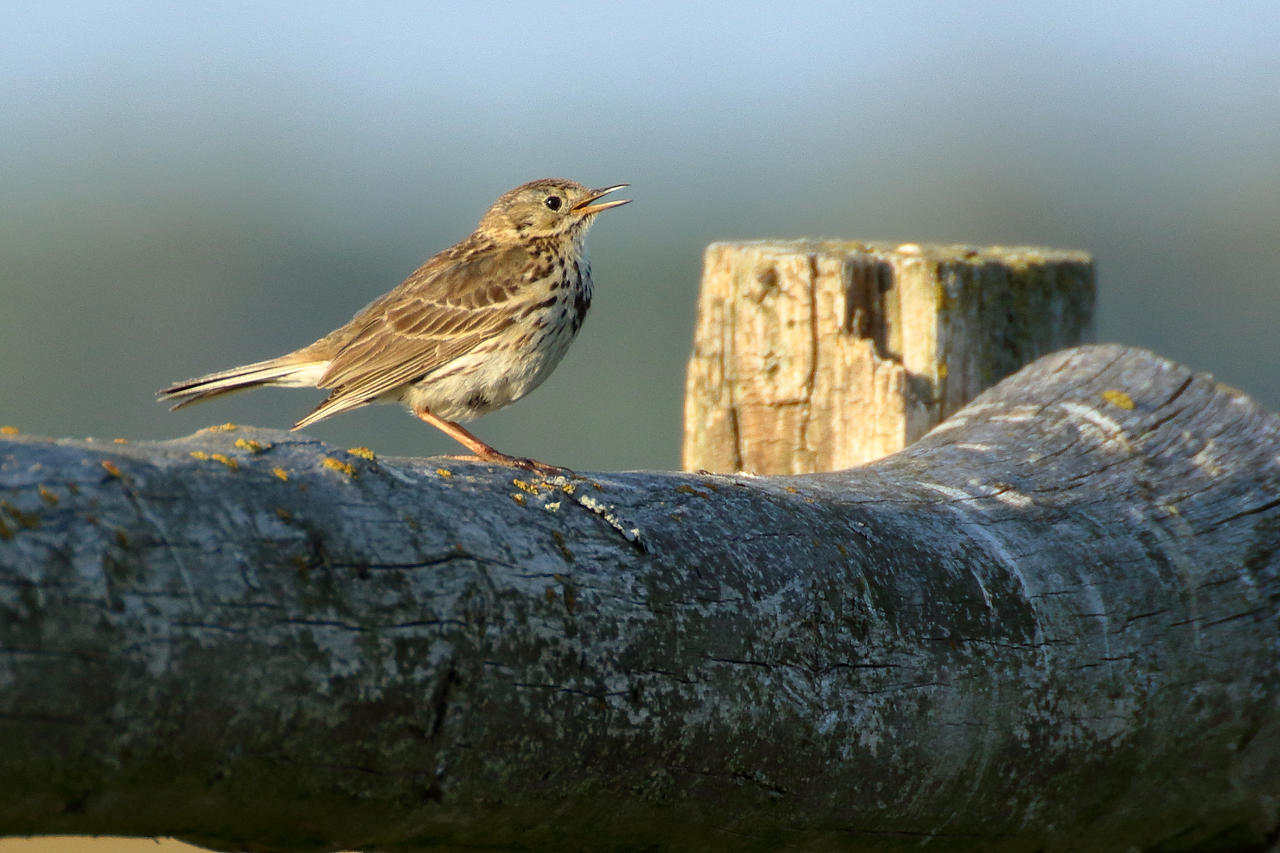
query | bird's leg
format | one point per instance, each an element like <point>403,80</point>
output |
<point>483,452</point>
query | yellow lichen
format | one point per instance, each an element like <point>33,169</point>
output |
<point>362,452</point>
<point>49,497</point>
<point>1118,399</point>
<point>111,468</point>
<point>233,464</point>
<point>281,473</point>
<point>252,446</point>
<point>120,440</point>
<point>228,427</point>
<point>525,486</point>
<point>9,430</point>
<point>518,498</point>
<point>444,472</point>
<point>338,465</point>
<point>200,454</point>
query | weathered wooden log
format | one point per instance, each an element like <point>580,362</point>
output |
<point>821,355</point>
<point>1051,625</point>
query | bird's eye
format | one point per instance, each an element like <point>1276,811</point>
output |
<point>553,202</point>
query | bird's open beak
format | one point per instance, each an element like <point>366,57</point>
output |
<point>586,208</point>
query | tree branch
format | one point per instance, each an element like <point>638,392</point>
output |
<point>1048,625</point>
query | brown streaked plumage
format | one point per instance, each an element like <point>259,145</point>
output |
<point>474,329</point>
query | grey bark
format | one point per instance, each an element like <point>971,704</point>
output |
<point>1051,624</point>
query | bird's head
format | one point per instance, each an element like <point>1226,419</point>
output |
<point>546,208</point>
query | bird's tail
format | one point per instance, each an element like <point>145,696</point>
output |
<point>287,370</point>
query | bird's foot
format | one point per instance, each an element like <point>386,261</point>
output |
<point>485,453</point>
<point>527,464</point>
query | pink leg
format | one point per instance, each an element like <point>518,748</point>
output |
<point>483,451</point>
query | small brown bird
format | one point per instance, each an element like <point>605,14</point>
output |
<point>473,329</point>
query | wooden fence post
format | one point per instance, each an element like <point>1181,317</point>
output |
<point>822,355</point>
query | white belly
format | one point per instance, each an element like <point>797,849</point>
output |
<point>495,374</point>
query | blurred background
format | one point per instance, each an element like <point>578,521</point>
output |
<point>186,187</point>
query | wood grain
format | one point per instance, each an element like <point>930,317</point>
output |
<point>821,355</point>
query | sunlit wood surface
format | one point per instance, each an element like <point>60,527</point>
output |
<point>82,844</point>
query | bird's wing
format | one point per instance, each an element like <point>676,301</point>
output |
<point>453,303</point>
